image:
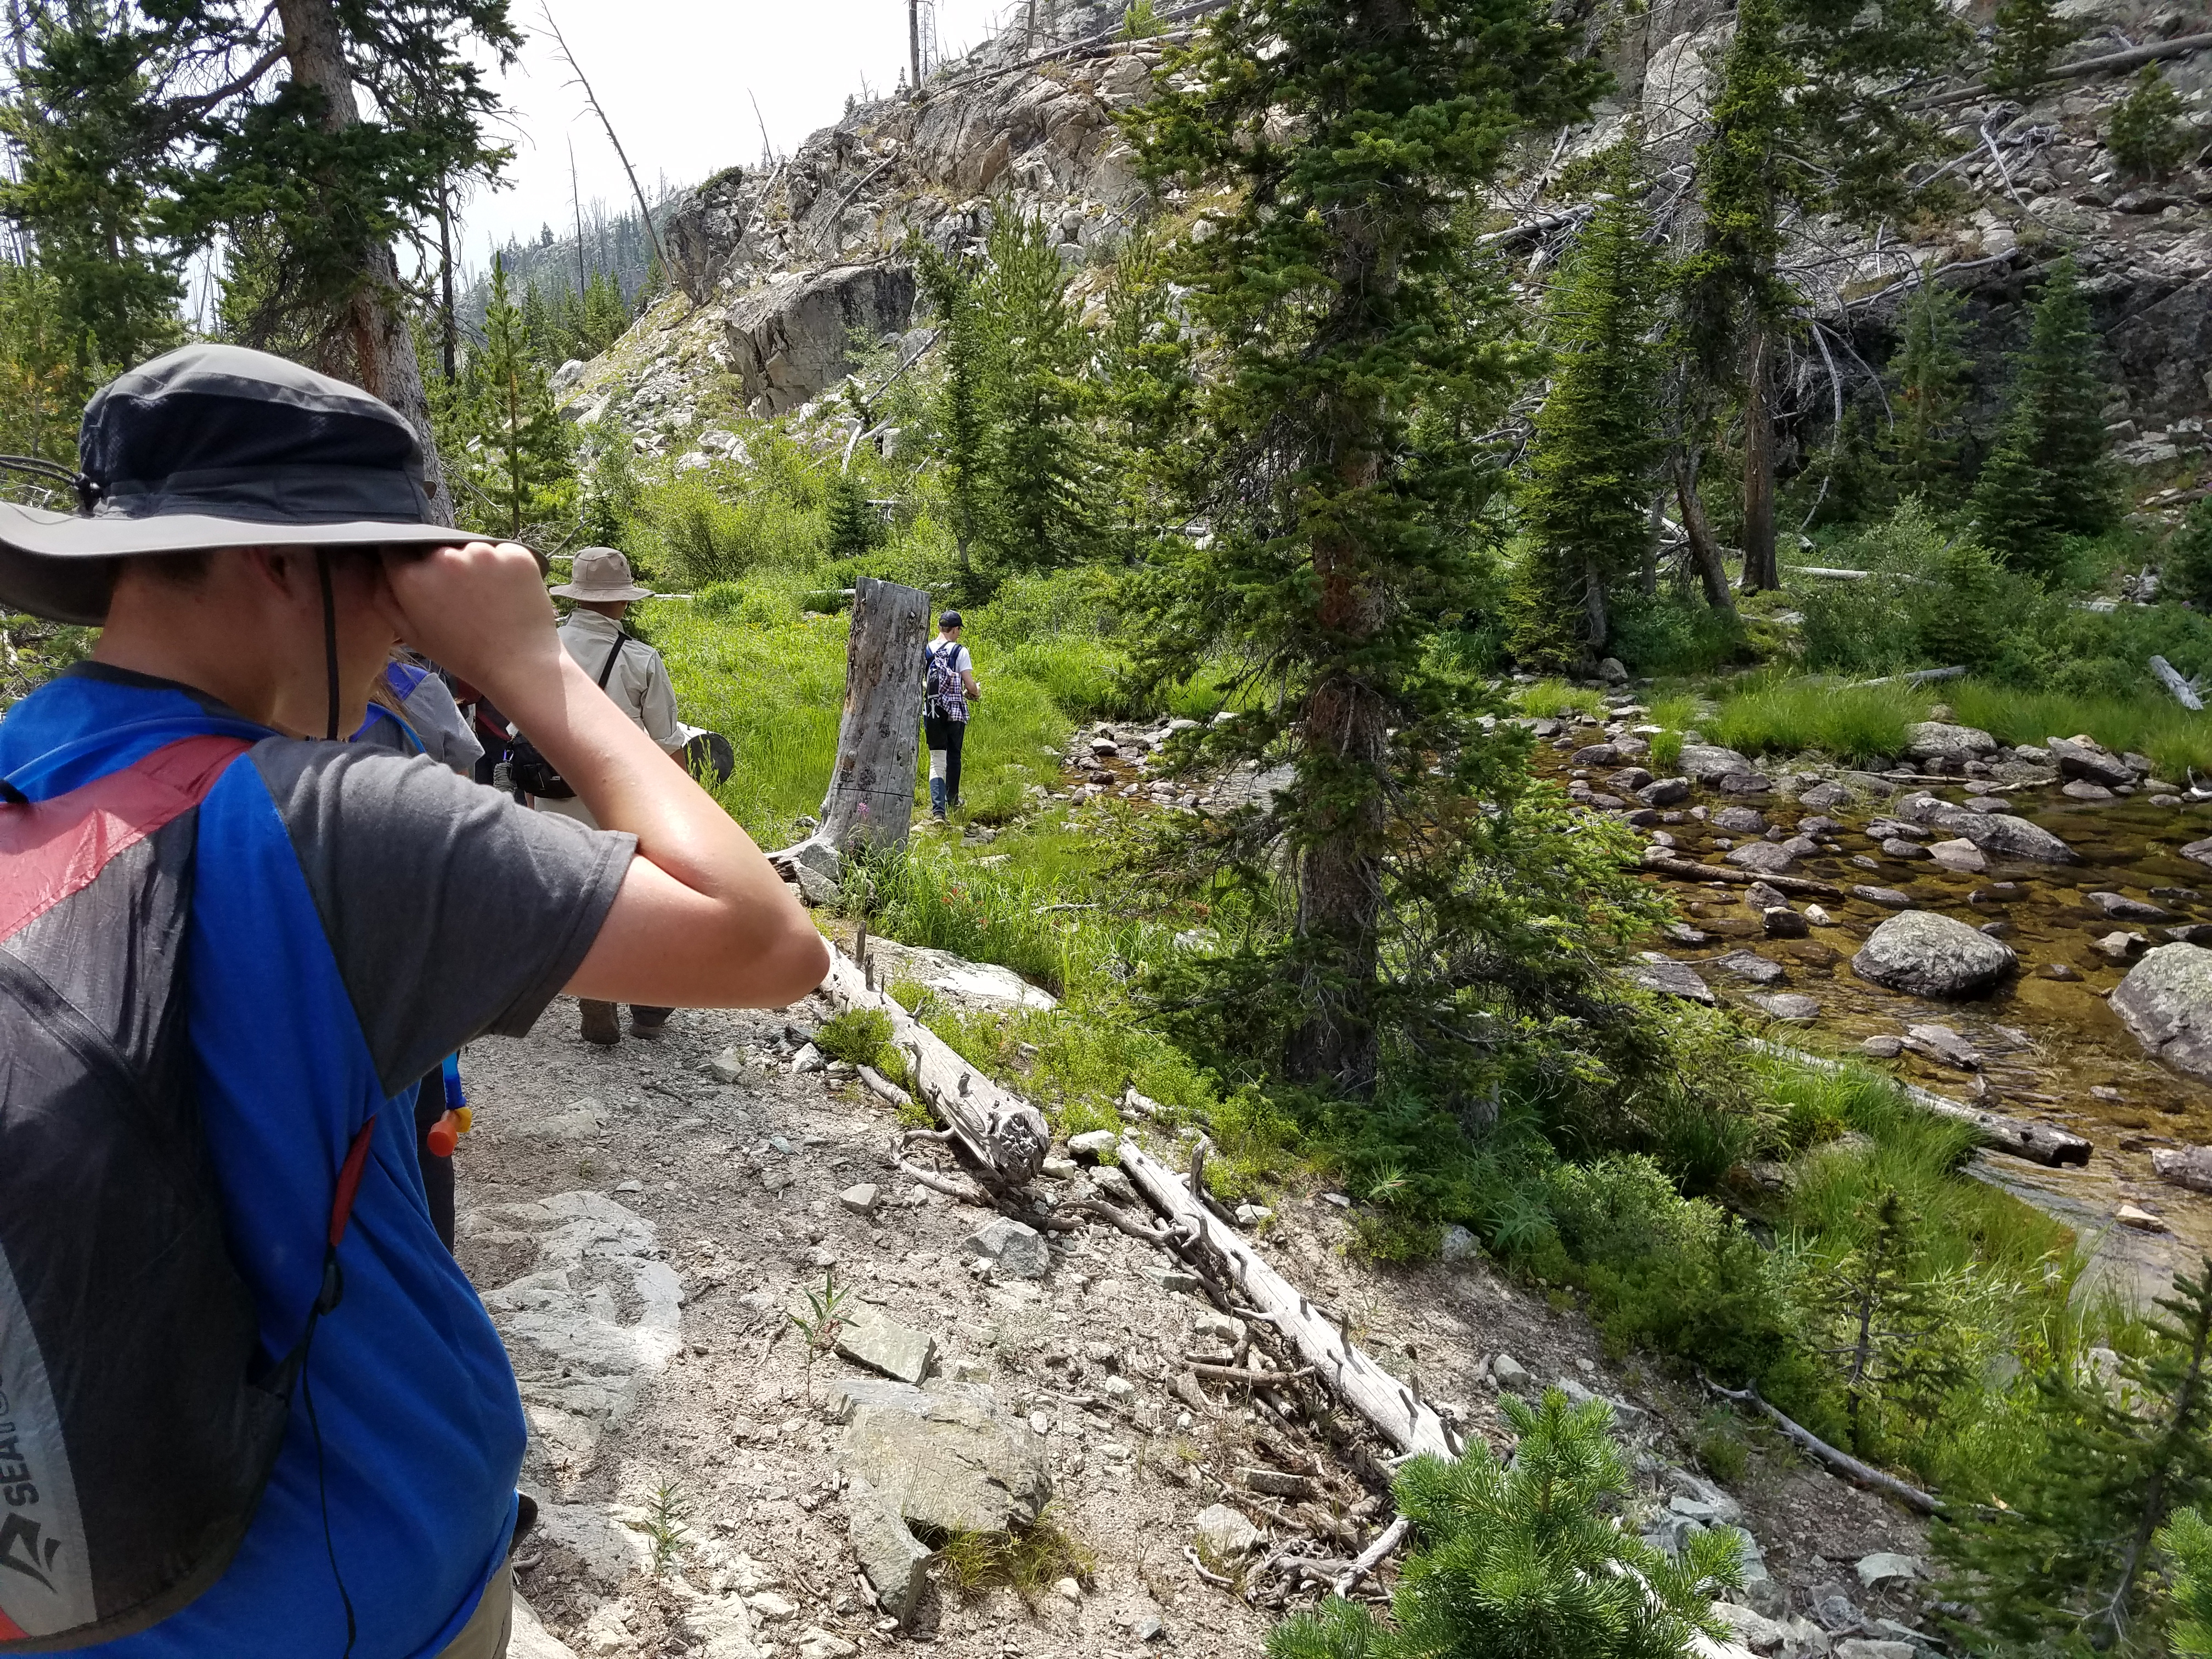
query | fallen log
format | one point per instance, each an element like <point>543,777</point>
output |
<point>1917,677</point>
<point>1665,864</point>
<point>1370,1558</point>
<point>2038,1143</point>
<point>1005,1134</point>
<point>1403,1417</point>
<point>2181,47</point>
<point>1858,1473</point>
<point>1828,572</point>
<point>2185,690</point>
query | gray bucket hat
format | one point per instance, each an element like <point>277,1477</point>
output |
<point>600,573</point>
<point>215,446</point>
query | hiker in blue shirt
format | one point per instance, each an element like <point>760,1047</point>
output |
<point>253,538</point>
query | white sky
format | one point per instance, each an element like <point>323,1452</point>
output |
<point>678,79</point>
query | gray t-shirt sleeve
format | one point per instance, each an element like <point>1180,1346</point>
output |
<point>452,911</point>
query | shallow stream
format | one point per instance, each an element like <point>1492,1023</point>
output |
<point>2050,1047</point>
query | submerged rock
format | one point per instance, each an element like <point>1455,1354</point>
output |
<point>1924,954</point>
<point>2166,1002</point>
<point>2005,836</point>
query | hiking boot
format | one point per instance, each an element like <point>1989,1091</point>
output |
<point>601,1023</point>
<point>648,1022</point>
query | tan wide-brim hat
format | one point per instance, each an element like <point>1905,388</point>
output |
<point>600,573</point>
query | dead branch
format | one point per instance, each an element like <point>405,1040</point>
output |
<point>1842,1462</point>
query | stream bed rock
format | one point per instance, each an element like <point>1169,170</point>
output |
<point>2166,1002</point>
<point>1923,953</point>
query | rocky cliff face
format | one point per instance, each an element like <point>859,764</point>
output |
<point>782,270</point>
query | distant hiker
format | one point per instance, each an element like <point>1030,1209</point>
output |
<point>631,672</point>
<point>254,1409</point>
<point>948,681</point>
<point>412,712</point>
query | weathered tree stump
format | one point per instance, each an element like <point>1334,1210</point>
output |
<point>871,798</point>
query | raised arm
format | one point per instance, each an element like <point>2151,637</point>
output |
<point>701,921</point>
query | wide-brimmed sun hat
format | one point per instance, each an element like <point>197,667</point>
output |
<point>216,446</point>
<point>600,573</point>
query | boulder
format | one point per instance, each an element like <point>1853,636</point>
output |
<point>1780,921</point>
<point>1888,898</point>
<point>2199,850</point>
<point>788,339</point>
<point>1741,820</point>
<point>1508,1372</point>
<point>2166,1001</point>
<point>1923,954</point>
<point>2002,835</point>
<point>1668,977</point>
<point>2119,946</point>
<point>870,1338</point>
<point>1093,1143</point>
<point>1709,763</point>
<point>2185,1166</point>
<point>895,1563</point>
<point>1014,1247</point>
<point>1825,796</point>
<point>1786,1005</point>
<point>1672,791</point>
<point>1959,854</point>
<point>2085,758</point>
<point>1768,858</point>
<point>1944,1046</point>
<point>2120,908</point>
<point>1936,740</point>
<point>1749,965</point>
<point>945,1458</point>
<point>1597,754</point>
<point>2081,789</point>
<point>1223,1535</point>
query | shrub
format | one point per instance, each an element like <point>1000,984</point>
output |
<point>2186,573</point>
<point>1672,633</point>
<point>2148,135</point>
<point>1525,1560</point>
<point>859,1037</point>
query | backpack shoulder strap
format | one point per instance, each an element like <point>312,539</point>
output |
<point>51,849</point>
<point>614,651</point>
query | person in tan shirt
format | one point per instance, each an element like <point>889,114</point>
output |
<point>602,590</point>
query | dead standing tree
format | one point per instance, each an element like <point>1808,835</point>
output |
<point>871,797</point>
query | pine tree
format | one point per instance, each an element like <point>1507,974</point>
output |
<point>40,366</point>
<point>2051,473</point>
<point>1814,114</point>
<point>2147,135</point>
<point>2030,35</point>
<point>1343,317</point>
<point>1039,470</point>
<point>520,466</point>
<point>854,525</point>
<point>1586,508</point>
<point>147,134</point>
<point>2185,571</point>
<point>1893,1328</point>
<point>962,431</point>
<point>2186,1542</point>
<point>1527,1560</point>
<point>1143,385</point>
<point>2067,1561</point>
<point>1929,387</point>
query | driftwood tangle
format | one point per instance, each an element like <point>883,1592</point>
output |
<point>1005,1134</point>
<point>1402,1416</point>
<point>871,797</point>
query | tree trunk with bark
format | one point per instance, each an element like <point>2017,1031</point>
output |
<point>1760,571</point>
<point>1704,551</point>
<point>369,339</point>
<point>871,797</point>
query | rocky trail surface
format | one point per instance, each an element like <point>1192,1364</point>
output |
<point>645,1223</point>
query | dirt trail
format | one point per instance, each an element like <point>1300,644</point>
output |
<point>642,1230</point>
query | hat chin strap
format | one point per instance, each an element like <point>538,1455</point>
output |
<point>330,639</point>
